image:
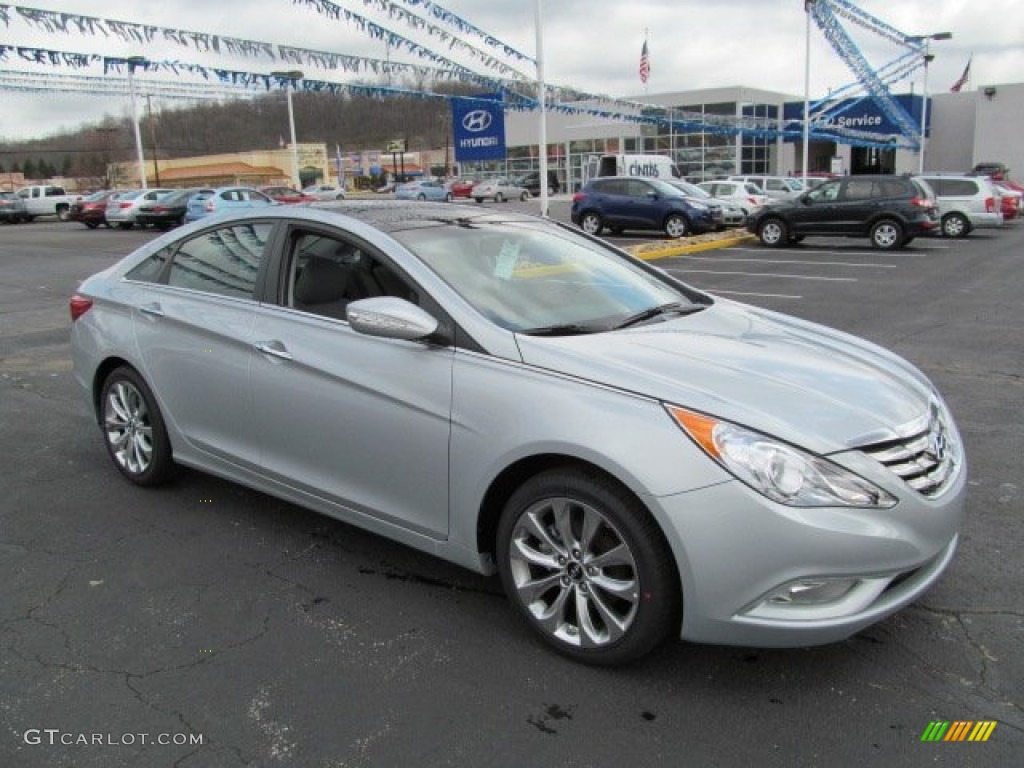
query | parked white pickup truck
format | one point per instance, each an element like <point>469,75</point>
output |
<point>47,200</point>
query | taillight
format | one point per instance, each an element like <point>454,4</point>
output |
<point>160,209</point>
<point>922,202</point>
<point>209,207</point>
<point>577,197</point>
<point>122,206</point>
<point>79,305</point>
<point>990,205</point>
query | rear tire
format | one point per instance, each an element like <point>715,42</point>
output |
<point>91,224</point>
<point>592,223</point>
<point>63,212</point>
<point>125,225</point>
<point>133,429</point>
<point>887,235</point>
<point>499,198</point>
<point>955,225</point>
<point>524,196</point>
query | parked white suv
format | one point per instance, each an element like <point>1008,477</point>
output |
<point>776,187</point>
<point>965,202</point>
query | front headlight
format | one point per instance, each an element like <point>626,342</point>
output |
<point>778,470</point>
<point>698,206</point>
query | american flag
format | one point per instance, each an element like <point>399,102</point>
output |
<point>964,78</point>
<point>645,64</point>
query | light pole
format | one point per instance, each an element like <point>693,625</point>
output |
<point>133,62</point>
<point>292,76</point>
<point>924,96</point>
<point>542,133</point>
<point>806,150</point>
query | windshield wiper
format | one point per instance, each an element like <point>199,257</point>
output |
<point>566,329</point>
<point>674,307</point>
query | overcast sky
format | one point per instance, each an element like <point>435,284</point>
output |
<point>592,45</point>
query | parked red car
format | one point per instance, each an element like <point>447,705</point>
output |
<point>287,195</point>
<point>460,187</point>
<point>92,210</point>
<point>1011,199</point>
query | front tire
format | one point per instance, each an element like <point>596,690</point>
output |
<point>448,197</point>
<point>524,196</point>
<point>587,567</point>
<point>91,224</point>
<point>887,235</point>
<point>133,429</point>
<point>592,223</point>
<point>677,226</point>
<point>499,198</point>
<point>773,232</point>
<point>125,225</point>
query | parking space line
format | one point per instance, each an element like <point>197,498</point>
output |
<point>901,254</point>
<point>763,274</point>
<point>745,293</point>
<point>795,261</point>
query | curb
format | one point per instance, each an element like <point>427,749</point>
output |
<point>654,251</point>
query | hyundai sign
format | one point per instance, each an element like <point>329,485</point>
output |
<point>479,128</point>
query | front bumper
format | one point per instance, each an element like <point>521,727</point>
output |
<point>735,551</point>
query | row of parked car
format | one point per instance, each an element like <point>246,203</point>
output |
<point>165,208</point>
<point>890,210</point>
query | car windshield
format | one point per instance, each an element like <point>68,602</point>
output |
<point>531,277</point>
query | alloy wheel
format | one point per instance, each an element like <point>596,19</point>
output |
<point>574,573</point>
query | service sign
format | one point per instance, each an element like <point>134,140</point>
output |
<point>479,129</point>
<point>861,115</point>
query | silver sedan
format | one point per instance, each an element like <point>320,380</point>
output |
<point>499,190</point>
<point>635,458</point>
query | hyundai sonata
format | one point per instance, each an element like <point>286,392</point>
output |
<point>634,457</point>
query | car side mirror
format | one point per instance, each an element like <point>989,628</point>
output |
<point>652,195</point>
<point>391,318</point>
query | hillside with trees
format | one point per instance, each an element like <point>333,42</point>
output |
<point>353,122</point>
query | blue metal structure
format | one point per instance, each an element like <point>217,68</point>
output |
<point>828,15</point>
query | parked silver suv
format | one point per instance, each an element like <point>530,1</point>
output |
<point>965,202</point>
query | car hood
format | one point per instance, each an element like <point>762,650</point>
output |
<point>809,385</point>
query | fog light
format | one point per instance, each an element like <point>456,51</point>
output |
<point>812,591</point>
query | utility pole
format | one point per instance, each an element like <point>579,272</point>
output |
<point>152,137</point>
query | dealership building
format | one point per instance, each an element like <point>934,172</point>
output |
<point>702,131</point>
<point>963,129</point>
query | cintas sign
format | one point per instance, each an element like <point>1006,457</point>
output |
<point>479,128</point>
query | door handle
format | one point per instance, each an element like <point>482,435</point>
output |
<point>274,349</point>
<point>152,308</point>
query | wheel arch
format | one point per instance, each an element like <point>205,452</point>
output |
<point>103,370</point>
<point>517,473</point>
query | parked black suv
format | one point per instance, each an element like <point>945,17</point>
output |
<point>531,181</point>
<point>891,210</point>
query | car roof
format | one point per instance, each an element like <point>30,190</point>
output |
<point>397,215</point>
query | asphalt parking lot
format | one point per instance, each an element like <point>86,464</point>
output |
<point>245,631</point>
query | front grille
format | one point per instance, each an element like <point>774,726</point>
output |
<point>926,460</point>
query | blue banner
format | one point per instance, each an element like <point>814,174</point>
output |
<point>859,114</point>
<point>479,128</point>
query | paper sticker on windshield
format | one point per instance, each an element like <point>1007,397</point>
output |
<point>507,259</point>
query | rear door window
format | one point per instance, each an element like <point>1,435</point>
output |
<point>224,261</point>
